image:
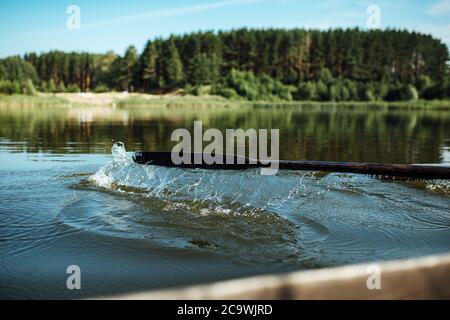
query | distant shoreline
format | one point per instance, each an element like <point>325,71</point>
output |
<point>118,99</point>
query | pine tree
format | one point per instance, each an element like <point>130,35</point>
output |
<point>148,66</point>
<point>128,68</point>
<point>173,68</point>
<point>204,69</point>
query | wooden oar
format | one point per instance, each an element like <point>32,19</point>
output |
<point>391,170</point>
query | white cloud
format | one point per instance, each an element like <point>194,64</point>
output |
<point>439,8</point>
<point>149,14</point>
<point>173,12</point>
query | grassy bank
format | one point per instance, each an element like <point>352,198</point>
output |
<point>173,101</point>
<point>33,100</point>
<point>194,101</point>
<point>147,100</point>
<point>417,104</point>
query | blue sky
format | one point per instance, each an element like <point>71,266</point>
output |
<point>38,26</point>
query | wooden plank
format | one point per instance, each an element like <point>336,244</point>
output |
<point>242,163</point>
<point>422,278</point>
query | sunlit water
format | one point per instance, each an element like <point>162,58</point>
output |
<point>66,199</point>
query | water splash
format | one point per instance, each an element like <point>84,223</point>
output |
<point>211,210</point>
<point>202,186</point>
<point>296,218</point>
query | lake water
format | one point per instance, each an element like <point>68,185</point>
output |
<point>68,197</point>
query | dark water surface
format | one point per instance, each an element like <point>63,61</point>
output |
<point>65,199</point>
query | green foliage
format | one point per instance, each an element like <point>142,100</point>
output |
<point>381,90</point>
<point>344,92</point>
<point>248,86</point>
<point>173,74</point>
<point>332,65</point>
<point>409,92</point>
<point>325,76</point>
<point>148,67</point>
<point>305,91</point>
<point>423,83</point>
<point>439,90</point>
<point>28,88</point>
<point>16,69</point>
<point>73,88</point>
<point>352,90</point>
<point>365,92</point>
<point>323,93</point>
<point>228,93</point>
<point>43,86</point>
<point>244,83</point>
<point>124,70</point>
<point>394,93</point>
<point>128,68</point>
<point>200,90</point>
<point>8,87</point>
<point>402,93</point>
<point>204,69</point>
<point>447,88</point>
<point>51,86</point>
<point>100,88</point>
<point>102,72</point>
<point>61,87</point>
<point>14,87</point>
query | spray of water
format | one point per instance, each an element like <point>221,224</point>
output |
<point>247,189</point>
<point>293,217</point>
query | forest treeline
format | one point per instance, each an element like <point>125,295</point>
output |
<point>271,64</point>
